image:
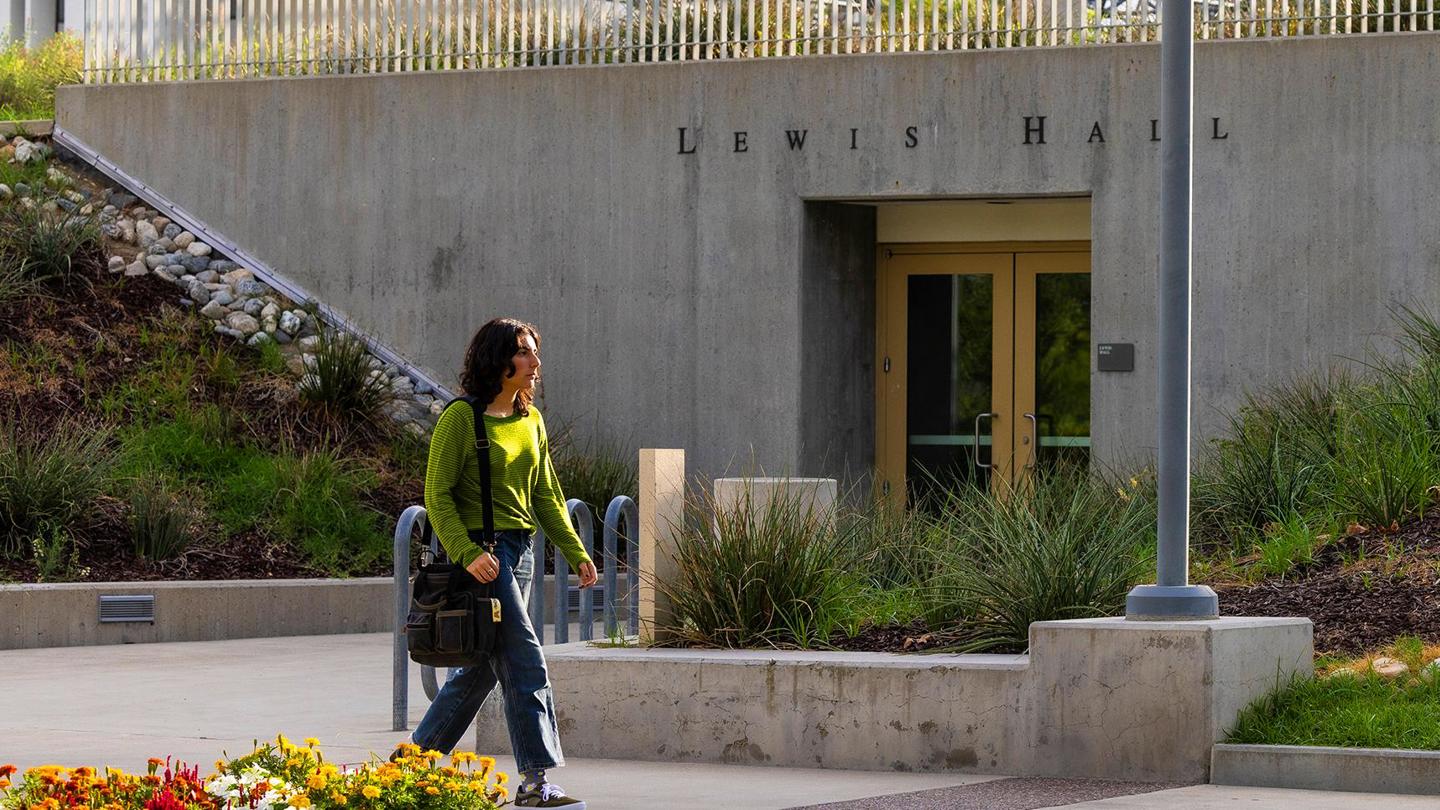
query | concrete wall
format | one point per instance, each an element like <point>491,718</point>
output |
<point>1102,698</point>
<point>674,290</point>
<point>67,614</point>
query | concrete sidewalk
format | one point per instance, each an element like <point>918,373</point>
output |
<point>119,705</point>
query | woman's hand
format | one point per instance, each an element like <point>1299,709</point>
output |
<point>587,574</point>
<point>485,568</point>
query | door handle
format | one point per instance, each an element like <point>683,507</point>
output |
<point>1034,440</point>
<point>978,463</point>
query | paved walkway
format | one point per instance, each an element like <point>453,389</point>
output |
<point>119,705</point>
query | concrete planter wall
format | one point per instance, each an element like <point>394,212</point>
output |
<point>1095,698</point>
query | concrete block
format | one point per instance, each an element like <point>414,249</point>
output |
<point>1304,767</point>
<point>1146,700</point>
<point>817,494</point>
<point>662,516</point>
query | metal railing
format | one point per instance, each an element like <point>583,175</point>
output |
<point>169,40</point>
<point>622,510</point>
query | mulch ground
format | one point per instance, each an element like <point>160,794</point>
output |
<point>1362,592</point>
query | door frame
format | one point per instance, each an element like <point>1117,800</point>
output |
<point>891,321</point>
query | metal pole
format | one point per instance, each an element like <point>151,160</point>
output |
<point>1172,597</point>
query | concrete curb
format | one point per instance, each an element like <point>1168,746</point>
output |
<point>1305,767</point>
<point>37,127</point>
<point>68,614</point>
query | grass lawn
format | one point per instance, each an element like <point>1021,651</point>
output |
<point>1349,705</point>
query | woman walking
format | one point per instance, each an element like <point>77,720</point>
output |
<point>502,366</point>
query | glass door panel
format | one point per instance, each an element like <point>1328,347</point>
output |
<point>950,344</point>
<point>1053,358</point>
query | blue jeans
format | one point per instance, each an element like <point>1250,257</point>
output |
<point>517,665</point>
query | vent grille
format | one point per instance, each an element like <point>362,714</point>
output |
<point>597,589</point>
<point>128,608</point>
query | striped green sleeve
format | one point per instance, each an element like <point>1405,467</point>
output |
<point>450,445</point>
<point>549,505</point>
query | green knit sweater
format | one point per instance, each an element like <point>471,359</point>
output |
<point>522,481</point>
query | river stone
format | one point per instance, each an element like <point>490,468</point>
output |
<point>184,239</point>
<point>117,263</point>
<point>155,250</point>
<point>253,306</point>
<point>259,338</point>
<point>167,243</point>
<point>242,322</point>
<point>155,262</point>
<point>310,343</point>
<point>224,296</point>
<point>172,231</point>
<point>196,264</point>
<point>209,276</point>
<point>177,270</point>
<point>214,310</point>
<point>198,249</point>
<point>223,265</point>
<point>290,323</point>
<point>146,233</point>
<point>251,289</point>
<point>198,293</point>
<point>1388,667</point>
<point>161,223</point>
<point>270,312</point>
<point>27,152</point>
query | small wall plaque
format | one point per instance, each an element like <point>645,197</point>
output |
<point>1115,357</point>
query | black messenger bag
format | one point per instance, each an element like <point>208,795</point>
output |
<point>454,619</point>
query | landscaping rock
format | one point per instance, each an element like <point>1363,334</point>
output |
<point>177,270</point>
<point>74,197</point>
<point>117,264</point>
<point>198,249</point>
<point>23,189</point>
<point>224,296</point>
<point>167,244</point>
<point>223,265</point>
<point>145,233</point>
<point>242,322</point>
<point>229,332</point>
<point>7,153</point>
<point>214,310</point>
<point>156,262</point>
<point>183,239</point>
<point>155,250</point>
<point>422,387</point>
<point>66,204</point>
<point>270,311</point>
<point>251,289</point>
<point>198,293</point>
<point>28,152</point>
<point>209,276</point>
<point>120,199</point>
<point>258,338</point>
<point>161,223</point>
<point>173,232</point>
<point>1388,667</point>
<point>290,322</point>
<point>139,268</point>
<point>309,344</point>
<point>6,192</point>
<point>253,307</point>
<point>196,264</point>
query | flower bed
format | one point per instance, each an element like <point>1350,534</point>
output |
<point>275,776</point>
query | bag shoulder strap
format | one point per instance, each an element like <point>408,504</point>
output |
<point>482,459</point>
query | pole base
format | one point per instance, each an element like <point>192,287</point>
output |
<point>1171,602</point>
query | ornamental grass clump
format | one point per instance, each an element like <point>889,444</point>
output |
<point>341,382</point>
<point>49,479</point>
<point>774,574</point>
<point>159,527</point>
<point>1068,545</point>
<point>275,776</point>
<point>50,245</point>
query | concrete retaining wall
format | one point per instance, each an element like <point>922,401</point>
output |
<point>67,614</point>
<point>1095,698</point>
<point>1303,767</point>
<point>663,278</point>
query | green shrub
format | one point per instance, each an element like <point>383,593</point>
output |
<point>749,576</point>
<point>49,481</point>
<point>1067,546</point>
<point>51,246</point>
<point>311,501</point>
<point>340,382</point>
<point>28,78</point>
<point>159,527</point>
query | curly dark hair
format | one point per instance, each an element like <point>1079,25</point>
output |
<point>490,359</point>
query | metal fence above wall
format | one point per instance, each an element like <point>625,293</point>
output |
<point>169,40</point>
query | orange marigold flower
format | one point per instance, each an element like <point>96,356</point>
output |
<point>432,790</point>
<point>370,791</point>
<point>7,770</point>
